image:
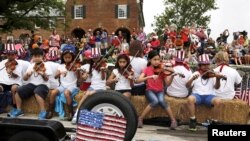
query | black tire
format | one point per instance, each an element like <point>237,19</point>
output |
<point>28,136</point>
<point>118,100</point>
<point>133,110</point>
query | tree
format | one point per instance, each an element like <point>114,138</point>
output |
<point>25,14</point>
<point>184,13</point>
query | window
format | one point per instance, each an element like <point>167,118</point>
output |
<point>10,38</point>
<point>52,23</point>
<point>122,11</point>
<point>37,27</point>
<point>78,12</point>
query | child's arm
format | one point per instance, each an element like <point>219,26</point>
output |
<point>217,83</point>
<point>112,78</point>
<point>143,78</point>
<point>57,75</point>
<point>169,79</point>
<point>27,75</point>
<point>190,81</point>
<point>78,73</point>
<point>131,80</point>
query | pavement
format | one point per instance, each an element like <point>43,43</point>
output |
<point>150,132</point>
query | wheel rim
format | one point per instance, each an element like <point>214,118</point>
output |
<point>108,109</point>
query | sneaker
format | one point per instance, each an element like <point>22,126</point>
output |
<point>192,125</point>
<point>13,110</point>
<point>17,113</point>
<point>214,122</point>
<point>140,123</point>
<point>42,115</point>
<point>173,125</point>
<point>73,121</point>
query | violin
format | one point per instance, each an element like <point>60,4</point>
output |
<point>39,67</point>
<point>127,72</point>
<point>73,66</point>
<point>210,74</point>
<point>166,71</point>
<point>10,67</point>
<point>101,67</point>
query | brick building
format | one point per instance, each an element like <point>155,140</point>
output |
<point>81,15</point>
<point>112,15</point>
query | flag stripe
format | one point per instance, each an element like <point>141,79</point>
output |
<point>87,129</point>
<point>114,124</point>
<point>116,119</point>
<point>89,138</point>
<point>100,131</point>
<point>99,136</point>
<point>106,128</point>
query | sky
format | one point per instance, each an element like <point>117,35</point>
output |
<point>232,14</point>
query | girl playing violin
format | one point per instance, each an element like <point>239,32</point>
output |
<point>68,72</point>
<point>37,74</point>
<point>122,75</point>
<point>155,90</point>
<point>96,71</point>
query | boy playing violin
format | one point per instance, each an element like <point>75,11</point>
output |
<point>203,89</point>
<point>10,72</point>
<point>177,85</point>
<point>38,75</point>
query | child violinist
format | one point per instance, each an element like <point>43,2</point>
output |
<point>11,73</point>
<point>154,89</point>
<point>96,71</point>
<point>203,89</point>
<point>38,75</point>
<point>68,72</point>
<point>122,75</point>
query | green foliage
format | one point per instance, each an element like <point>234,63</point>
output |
<point>184,13</point>
<point>25,14</point>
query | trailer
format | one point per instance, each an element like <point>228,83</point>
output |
<point>107,102</point>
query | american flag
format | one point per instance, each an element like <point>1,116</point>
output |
<point>99,127</point>
<point>243,92</point>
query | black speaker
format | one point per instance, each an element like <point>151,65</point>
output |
<point>15,129</point>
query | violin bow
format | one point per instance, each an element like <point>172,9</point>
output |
<point>75,59</point>
<point>223,78</point>
<point>129,63</point>
<point>205,73</point>
<point>110,49</point>
<point>2,68</point>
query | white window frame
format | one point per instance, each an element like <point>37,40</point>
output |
<point>10,37</point>
<point>52,23</point>
<point>37,27</point>
<point>122,11</point>
<point>78,9</point>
